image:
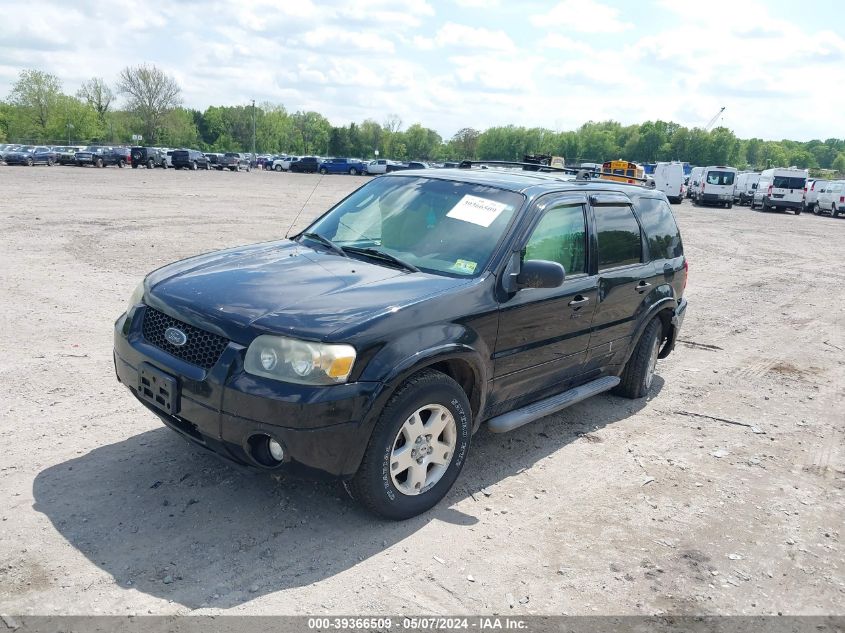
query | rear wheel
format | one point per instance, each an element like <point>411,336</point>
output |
<point>323,171</point>
<point>638,375</point>
<point>833,212</point>
<point>29,162</point>
<point>150,164</point>
<point>417,449</point>
<point>353,171</point>
<point>98,162</point>
<point>277,168</point>
<point>121,163</point>
<point>797,210</point>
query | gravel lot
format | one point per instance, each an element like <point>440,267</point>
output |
<point>610,507</point>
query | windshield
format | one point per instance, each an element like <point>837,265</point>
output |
<point>720,177</point>
<point>436,225</point>
<point>789,182</point>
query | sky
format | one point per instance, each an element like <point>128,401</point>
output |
<point>777,67</point>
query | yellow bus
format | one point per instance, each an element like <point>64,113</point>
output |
<point>622,171</point>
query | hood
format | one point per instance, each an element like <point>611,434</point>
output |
<point>284,288</point>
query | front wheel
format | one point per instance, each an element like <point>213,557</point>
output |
<point>323,171</point>
<point>353,171</point>
<point>194,166</point>
<point>417,449</point>
<point>277,168</point>
<point>121,163</point>
<point>99,162</point>
<point>638,375</point>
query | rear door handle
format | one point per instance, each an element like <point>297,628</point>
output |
<point>642,286</point>
<point>578,301</point>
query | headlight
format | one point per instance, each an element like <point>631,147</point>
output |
<point>136,298</point>
<point>301,362</point>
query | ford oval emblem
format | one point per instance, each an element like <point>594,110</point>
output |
<point>175,336</point>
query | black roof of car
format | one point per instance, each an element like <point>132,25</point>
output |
<point>530,183</point>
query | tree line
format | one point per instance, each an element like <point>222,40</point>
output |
<point>37,110</point>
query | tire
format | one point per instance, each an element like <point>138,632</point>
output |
<point>98,163</point>
<point>49,162</point>
<point>833,212</point>
<point>751,203</point>
<point>207,167</point>
<point>121,163</point>
<point>29,162</point>
<point>380,490</point>
<point>150,164</point>
<point>638,374</point>
<point>233,169</point>
<point>353,171</point>
<point>797,211</point>
<point>194,166</point>
<point>277,168</point>
<point>764,206</point>
<point>323,171</point>
<point>729,205</point>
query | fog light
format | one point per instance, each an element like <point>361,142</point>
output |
<point>276,450</point>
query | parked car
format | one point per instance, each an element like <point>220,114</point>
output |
<point>693,182</point>
<point>351,166</point>
<point>372,345</point>
<point>831,198</point>
<point>780,188</point>
<point>148,157</point>
<point>235,161</point>
<point>190,159</point>
<point>91,155</point>
<point>306,164</point>
<point>7,149</point>
<point>811,193</point>
<point>283,163</point>
<point>746,184</point>
<point>715,186</point>
<point>214,159</point>
<point>378,166</point>
<point>119,156</point>
<point>66,155</point>
<point>31,155</point>
<point>669,178</point>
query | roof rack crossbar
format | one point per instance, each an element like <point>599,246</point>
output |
<point>466,164</point>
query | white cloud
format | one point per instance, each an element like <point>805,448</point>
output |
<point>461,36</point>
<point>336,37</point>
<point>584,16</point>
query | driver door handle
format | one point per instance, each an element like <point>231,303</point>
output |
<point>579,301</point>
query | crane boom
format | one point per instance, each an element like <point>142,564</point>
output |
<point>714,119</point>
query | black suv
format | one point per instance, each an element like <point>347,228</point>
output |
<point>149,157</point>
<point>190,159</point>
<point>306,164</point>
<point>372,345</point>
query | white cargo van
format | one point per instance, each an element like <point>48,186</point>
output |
<point>669,178</point>
<point>716,186</point>
<point>746,183</point>
<point>694,178</point>
<point>811,194</point>
<point>780,188</point>
<point>831,198</point>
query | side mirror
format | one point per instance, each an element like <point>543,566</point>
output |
<point>539,273</point>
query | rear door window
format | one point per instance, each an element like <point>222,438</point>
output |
<point>788,182</point>
<point>661,230</point>
<point>619,238</point>
<point>720,178</point>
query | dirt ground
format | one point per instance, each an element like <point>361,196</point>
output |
<point>722,493</point>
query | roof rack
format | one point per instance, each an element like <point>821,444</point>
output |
<point>580,174</point>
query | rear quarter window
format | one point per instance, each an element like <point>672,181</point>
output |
<point>661,230</point>
<point>619,238</point>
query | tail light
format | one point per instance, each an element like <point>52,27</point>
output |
<point>841,198</point>
<point>770,191</point>
<point>702,187</point>
<point>686,273</point>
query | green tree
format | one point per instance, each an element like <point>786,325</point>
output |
<point>36,94</point>
<point>152,93</point>
<point>839,163</point>
<point>97,94</point>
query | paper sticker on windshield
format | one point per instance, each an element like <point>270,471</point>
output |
<point>477,210</point>
<point>464,266</point>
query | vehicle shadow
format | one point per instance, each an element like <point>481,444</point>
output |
<point>172,521</point>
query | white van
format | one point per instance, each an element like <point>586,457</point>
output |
<point>781,188</point>
<point>716,186</point>
<point>669,178</point>
<point>746,184</point>
<point>694,178</point>
<point>811,193</point>
<point>831,198</point>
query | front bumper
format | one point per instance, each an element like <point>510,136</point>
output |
<point>324,430</point>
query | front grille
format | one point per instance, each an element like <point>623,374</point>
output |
<point>202,348</point>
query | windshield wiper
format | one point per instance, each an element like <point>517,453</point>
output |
<point>379,254</point>
<point>325,242</point>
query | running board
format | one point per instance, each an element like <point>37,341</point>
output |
<point>514,419</point>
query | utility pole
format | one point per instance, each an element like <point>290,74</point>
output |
<point>253,129</point>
